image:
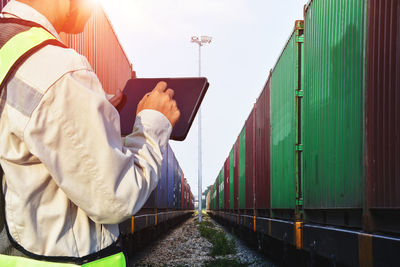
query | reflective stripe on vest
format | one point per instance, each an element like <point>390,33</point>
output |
<point>117,260</point>
<point>20,44</point>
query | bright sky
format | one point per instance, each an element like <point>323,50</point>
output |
<point>248,36</point>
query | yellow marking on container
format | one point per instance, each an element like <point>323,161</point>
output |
<point>255,227</point>
<point>156,217</point>
<point>298,235</point>
<point>133,225</point>
<point>365,256</point>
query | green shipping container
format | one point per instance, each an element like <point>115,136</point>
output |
<point>242,169</point>
<point>286,123</point>
<point>334,91</point>
<point>215,195</point>
<point>231,178</point>
<point>221,190</point>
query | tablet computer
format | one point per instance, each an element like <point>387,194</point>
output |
<point>189,93</point>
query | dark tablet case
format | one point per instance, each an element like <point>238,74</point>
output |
<point>189,93</point>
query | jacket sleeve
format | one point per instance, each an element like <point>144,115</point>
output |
<point>75,133</point>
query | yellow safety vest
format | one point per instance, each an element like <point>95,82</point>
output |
<point>21,40</point>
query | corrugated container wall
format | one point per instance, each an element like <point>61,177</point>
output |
<point>333,104</point>
<point>182,188</point>
<point>212,196</point>
<point>284,123</point>
<point>162,187</point>
<point>383,102</point>
<point>216,194</point>
<point>100,45</point>
<point>242,169</point>
<point>250,162</point>
<point>221,189</point>
<point>178,186</point>
<point>208,200</point>
<point>236,175</point>
<point>262,148</point>
<point>151,201</point>
<point>231,178</point>
<point>383,116</point>
<point>171,178</point>
<point>227,183</point>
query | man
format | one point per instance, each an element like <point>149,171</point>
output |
<point>69,176</point>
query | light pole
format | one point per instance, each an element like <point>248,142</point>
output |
<point>200,41</point>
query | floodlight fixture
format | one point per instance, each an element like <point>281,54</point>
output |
<point>195,39</point>
<point>206,39</point>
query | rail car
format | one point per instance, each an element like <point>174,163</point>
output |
<point>317,161</point>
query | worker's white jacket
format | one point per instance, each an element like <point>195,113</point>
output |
<point>69,176</point>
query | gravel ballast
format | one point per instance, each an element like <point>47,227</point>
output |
<point>184,246</point>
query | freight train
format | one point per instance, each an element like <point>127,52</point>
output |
<point>172,200</point>
<point>317,163</point>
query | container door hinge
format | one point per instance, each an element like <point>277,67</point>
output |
<point>299,147</point>
<point>299,93</point>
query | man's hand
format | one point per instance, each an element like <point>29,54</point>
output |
<point>161,99</point>
<point>115,100</point>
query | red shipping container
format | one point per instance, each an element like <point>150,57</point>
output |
<point>100,45</point>
<point>262,148</point>
<point>236,175</point>
<point>383,103</point>
<point>250,162</point>
<point>227,183</point>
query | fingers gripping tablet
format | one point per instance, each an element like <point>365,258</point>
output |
<point>187,92</point>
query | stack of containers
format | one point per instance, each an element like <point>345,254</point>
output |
<point>286,127</point>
